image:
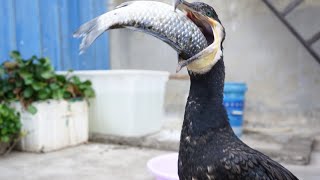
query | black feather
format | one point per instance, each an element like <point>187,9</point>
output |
<point>208,147</point>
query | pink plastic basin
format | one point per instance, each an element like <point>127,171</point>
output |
<point>164,167</point>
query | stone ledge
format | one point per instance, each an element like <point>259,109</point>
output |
<point>155,141</point>
<point>284,148</point>
<point>290,150</point>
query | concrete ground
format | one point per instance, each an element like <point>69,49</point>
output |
<point>89,161</point>
<point>284,147</point>
<point>102,161</point>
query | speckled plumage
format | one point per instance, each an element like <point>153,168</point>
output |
<point>209,150</point>
<point>155,18</point>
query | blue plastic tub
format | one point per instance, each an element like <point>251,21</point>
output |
<point>234,100</point>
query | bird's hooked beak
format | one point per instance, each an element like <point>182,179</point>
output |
<point>212,30</point>
<point>181,2</point>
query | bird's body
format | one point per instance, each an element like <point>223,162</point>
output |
<point>209,150</point>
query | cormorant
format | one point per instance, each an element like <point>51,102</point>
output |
<point>209,149</point>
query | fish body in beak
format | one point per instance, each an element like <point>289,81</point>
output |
<point>150,17</point>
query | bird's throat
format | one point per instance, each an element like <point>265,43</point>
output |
<point>212,54</point>
<point>204,109</point>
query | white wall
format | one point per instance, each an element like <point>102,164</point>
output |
<point>282,77</point>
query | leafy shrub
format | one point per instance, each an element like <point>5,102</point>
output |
<point>9,124</point>
<point>34,79</point>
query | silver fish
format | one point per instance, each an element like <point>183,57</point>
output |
<point>154,18</point>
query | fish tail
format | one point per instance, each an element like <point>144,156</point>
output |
<point>90,31</point>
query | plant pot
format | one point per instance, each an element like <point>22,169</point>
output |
<point>128,102</point>
<point>4,147</point>
<point>56,125</point>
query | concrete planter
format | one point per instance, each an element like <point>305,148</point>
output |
<point>56,125</point>
<point>3,147</point>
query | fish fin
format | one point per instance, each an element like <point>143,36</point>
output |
<point>124,4</point>
<point>90,31</point>
<point>83,29</point>
<point>180,63</point>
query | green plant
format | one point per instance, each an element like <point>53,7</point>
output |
<point>29,80</point>
<point>9,124</point>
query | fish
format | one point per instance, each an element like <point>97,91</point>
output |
<point>158,19</point>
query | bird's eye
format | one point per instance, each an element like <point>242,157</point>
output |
<point>208,13</point>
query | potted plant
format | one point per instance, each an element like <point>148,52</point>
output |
<point>53,108</point>
<point>9,128</point>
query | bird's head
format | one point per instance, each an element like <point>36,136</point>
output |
<point>207,20</point>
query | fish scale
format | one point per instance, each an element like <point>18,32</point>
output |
<point>154,18</point>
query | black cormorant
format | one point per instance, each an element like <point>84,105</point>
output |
<point>209,149</point>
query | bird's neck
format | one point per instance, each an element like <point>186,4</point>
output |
<point>204,109</point>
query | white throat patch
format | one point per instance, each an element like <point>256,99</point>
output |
<point>208,57</point>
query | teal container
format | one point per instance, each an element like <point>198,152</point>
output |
<point>234,100</point>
